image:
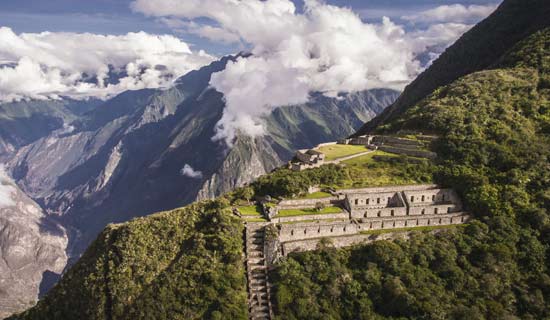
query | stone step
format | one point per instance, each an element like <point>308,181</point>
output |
<point>260,316</point>
<point>261,294</point>
<point>257,269</point>
<point>257,282</point>
<point>255,254</point>
<point>258,276</point>
<point>256,260</point>
<point>261,310</point>
<point>255,247</point>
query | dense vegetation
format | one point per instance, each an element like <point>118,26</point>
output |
<point>495,150</point>
<point>182,264</point>
<point>371,170</point>
<point>476,50</point>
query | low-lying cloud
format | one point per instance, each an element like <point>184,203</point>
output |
<point>48,65</point>
<point>188,171</point>
<point>326,49</point>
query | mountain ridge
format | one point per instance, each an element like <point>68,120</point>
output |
<point>474,51</point>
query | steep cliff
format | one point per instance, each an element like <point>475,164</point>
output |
<point>32,249</point>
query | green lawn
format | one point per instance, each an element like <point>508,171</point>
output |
<point>254,210</point>
<point>316,195</point>
<point>306,212</point>
<point>254,219</point>
<point>333,152</point>
<point>384,169</point>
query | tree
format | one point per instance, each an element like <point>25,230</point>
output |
<point>319,206</point>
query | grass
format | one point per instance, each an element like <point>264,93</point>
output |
<point>423,228</point>
<point>368,158</point>
<point>336,151</point>
<point>306,212</point>
<point>249,219</point>
<point>316,195</point>
<point>383,169</point>
<point>253,210</point>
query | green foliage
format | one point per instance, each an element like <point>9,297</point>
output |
<point>182,264</point>
<point>494,149</point>
<point>287,183</point>
<point>375,169</point>
<point>337,151</point>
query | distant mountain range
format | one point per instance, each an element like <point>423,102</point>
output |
<point>92,163</point>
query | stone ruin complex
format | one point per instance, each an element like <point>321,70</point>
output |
<point>312,158</point>
<point>366,215</point>
<point>364,210</point>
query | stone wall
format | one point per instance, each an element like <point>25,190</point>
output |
<point>396,140</point>
<point>320,229</point>
<point>340,242</point>
<point>379,212</point>
<point>325,144</point>
<point>305,203</point>
<point>430,196</point>
<point>434,209</point>
<point>374,200</point>
<point>409,152</point>
<point>361,140</point>
<point>327,216</point>
<point>389,189</point>
<point>291,232</point>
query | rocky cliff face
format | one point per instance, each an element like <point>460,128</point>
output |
<point>32,249</point>
<point>124,158</point>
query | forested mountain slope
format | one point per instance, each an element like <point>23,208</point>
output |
<point>476,50</point>
<point>494,149</point>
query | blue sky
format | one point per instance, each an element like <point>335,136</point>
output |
<point>115,16</point>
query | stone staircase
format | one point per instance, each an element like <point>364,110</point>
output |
<point>259,305</point>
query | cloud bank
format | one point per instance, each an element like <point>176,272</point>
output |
<point>188,171</point>
<point>455,13</point>
<point>48,65</point>
<point>325,49</point>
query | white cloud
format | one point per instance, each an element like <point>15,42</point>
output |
<point>188,171</point>
<point>48,65</point>
<point>6,189</point>
<point>325,49</point>
<point>456,13</point>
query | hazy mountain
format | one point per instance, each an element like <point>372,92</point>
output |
<point>32,249</point>
<point>493,125</point>
<point>124,158</point>
<point>24,122</point>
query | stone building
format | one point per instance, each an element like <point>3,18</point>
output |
<point>308,158</point>
<point>372,205</point>
<point>432,201</point>
<point>361,140</point>
<point>389,203</point>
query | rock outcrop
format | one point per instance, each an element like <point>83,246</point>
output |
<point>32,249</point>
